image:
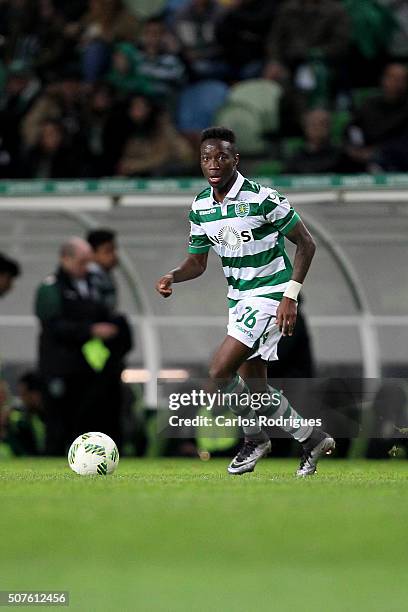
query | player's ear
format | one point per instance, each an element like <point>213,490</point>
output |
<point>236,156</point>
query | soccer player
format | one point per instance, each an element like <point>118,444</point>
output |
<point>246,224</point>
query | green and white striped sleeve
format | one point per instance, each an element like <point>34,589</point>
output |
<point>199,241</point>
<point>277,211</point>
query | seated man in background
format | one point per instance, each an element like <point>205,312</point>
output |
<point>25,420</point>
<point>318,154</point>
<point>377,138</point>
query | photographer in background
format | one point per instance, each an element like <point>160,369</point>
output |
<point>25,420</point>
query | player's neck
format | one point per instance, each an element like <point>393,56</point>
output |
<point>219,194</point>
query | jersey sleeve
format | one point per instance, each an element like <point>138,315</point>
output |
<point>199,241</point>
<point>277,211</point>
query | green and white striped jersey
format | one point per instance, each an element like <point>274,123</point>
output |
<point>247,231</point>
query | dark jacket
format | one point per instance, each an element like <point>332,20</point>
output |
<point>381,121</point>
<point>300,28</point>
<point>104,283</point>
<point>66,319</point>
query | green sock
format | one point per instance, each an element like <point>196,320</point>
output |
<point>240,389</point>
<point>280,408</point>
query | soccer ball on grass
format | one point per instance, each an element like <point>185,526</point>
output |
<point>93,454</point>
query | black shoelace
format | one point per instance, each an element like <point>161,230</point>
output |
<point>246,450</point>
<point>305,457</point>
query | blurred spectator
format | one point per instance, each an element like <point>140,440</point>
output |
<point>144,142</point>
<point>71,11</point>
<point>36,35</point>
<point>378,135</point>
<point>159,61</point>
<point>25,420</point>
<point>9,270</point>
<point>97,112</point>
<point>62,101</point>
<point>51,49</point>
<point>197,106</point>
<point>171,8</point>
<point>30,25</point>
<point>398,47</point>
<point>111,20</point>
<point>252,112</point>
<point>125,74</point>
<point>310,38</point>
<point>52,157</point>
<point>194,26</point>
<point>81,350</point>
<point>106,22</point>
<point>105,259</point>
<point>373,26</point>
<point>242,33</point>
<point>20,91</point>
<point>318,154</point>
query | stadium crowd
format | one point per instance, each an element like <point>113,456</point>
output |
<point>93,88</point>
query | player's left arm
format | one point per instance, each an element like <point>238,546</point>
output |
<point>305,250</point>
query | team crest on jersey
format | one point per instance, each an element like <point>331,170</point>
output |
<point>242,209</point>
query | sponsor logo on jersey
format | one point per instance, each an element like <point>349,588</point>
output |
<point>242,209</point>
<point>208,211</point>
<point>231,238</point>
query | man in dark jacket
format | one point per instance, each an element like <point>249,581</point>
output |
<point>105,259</point>
<point>81,347</point>
<point>377,138</point>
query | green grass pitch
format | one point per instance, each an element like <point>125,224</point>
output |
<point>182,535</point>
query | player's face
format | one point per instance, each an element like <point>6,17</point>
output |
<point>218,163</point>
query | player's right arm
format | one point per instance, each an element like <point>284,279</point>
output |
<point>196,262</point>
<point>192,267</point>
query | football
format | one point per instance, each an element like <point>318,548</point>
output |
<point>93,454</point>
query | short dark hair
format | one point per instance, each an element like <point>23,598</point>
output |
<point>218,133</point>
<point>32,380</point>
<point>9,266</point>
<point>100,236</point>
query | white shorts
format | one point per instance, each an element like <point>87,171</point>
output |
<point>252,321</point>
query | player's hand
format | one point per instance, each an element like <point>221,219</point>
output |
<point>286,316</point>
<point>163,285</point>
<point>104,331</point>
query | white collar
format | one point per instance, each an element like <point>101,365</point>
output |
<point>235,189</point>
<point>95,267</point>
